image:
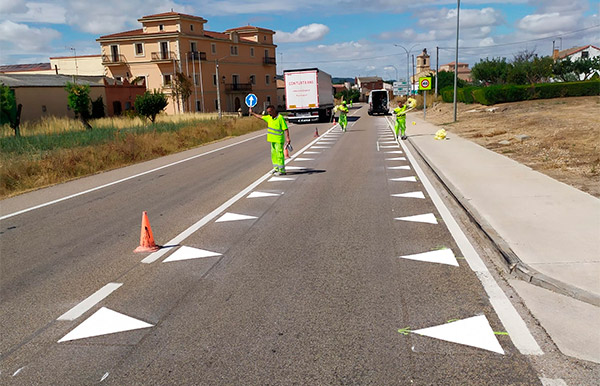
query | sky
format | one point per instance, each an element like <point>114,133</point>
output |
<point>345,38</point>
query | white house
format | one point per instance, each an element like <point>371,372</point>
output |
<point>575,53</point>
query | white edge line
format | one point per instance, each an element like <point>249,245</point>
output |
<point>124,179</point>
<point>151,258</point>
<point>510,318</point>
<point>89,302</point>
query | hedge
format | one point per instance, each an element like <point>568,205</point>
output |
<point>513,93</point>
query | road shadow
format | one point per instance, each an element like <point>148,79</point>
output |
<point>305,171</point>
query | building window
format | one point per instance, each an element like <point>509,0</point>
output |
<point>198,106</point>
<point>253,79</point>
<point>213,48</point>
<point>167,80</point>
<point>161,27</point>
<point>119,78</point>
<point>193,46</point>
<point>251,51</point>
<point>234,50</point>
<point>267,79</point>
<point>214,79</point>
<point>127,105</point>
<point>265,38</point>
<point>44,108</point>
<point>235,79</point>
<point>585,54</point>
<point>268,99</point>
<point>191,27</point>
<point>139,49</point>
<point>266,53</point>
<point>216,104</point>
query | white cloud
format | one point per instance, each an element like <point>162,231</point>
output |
<point>547,23</point>
<point>10,6</point>
<point>39,13</point>
<point>306,33</point>
<point>25,38</point>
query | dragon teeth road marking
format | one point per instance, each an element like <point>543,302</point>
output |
<point>426,218</point>
<point>442,256</point>
<point>404,179</point>
<point>103,322</point>
<point>188,253</point>
<point>263,194</point>
<point>410,195</point>
<point>234,217</point>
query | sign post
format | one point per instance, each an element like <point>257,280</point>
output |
<point>251,100</point>
<point>425,84</point>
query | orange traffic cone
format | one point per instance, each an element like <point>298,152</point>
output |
<point>334,123</point>
<point>316,132</point>
<point>146,238</point>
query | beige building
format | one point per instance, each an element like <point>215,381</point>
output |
<point>464,72</point>
<point>171,43</point>
<point>87,65</point>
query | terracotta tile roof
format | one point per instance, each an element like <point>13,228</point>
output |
<point>166,14</point>
<point>26,67</point>
<point>216,35</point>
<point>570,51</point>
<point>134,32</point>
<point>249,27</point>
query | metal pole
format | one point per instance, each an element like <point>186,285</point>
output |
<point>413,66</point>
<point>195,85</point>
<point>408,80</point>
<point>425,104</point>
<point>218,89</point>
<point>201,85</point>
<point>456,56</point>
<point>437,69</point>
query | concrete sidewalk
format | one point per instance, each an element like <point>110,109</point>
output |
<point>547,231</point>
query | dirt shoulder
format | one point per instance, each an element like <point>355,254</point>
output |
<point>557,137</point>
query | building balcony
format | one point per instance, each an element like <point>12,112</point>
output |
<point>269,60</point>
<point>161,56</point>
<point>196,55</point>
<point>238,87</point>
<point>113,60</point>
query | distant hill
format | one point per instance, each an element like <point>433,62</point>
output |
<point>336,80</point>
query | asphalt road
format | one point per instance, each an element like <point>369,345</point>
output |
<point>310,290</point>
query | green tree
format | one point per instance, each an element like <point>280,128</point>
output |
<point>182,89</point>
<point>79,101</point>
<point>564,70</point>
<point>586,67</point>
<point>9,112</point>
<point>348,95</point>
<point>490,72</point>
<point>150,104</point>
<point>446,78</point>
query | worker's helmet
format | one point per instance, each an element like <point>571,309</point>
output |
<point>344,103</point>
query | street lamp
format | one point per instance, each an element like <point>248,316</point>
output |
<point>218,82</point>
<point>391,65</point>
<point>456,56</point>
<point>407,62</point>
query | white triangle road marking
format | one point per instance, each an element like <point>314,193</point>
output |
<point>263,194</point>
<point>405,167</point>
<point>320,147</point>
<point>405,179</point>
<point>388,142</point>
<point>188,253</point>
<point>102,322</point>
<point>295,167</point>
<point>234,217</point>
<point>395,152</point>
<point>442,256</point>
<point>427,218</point>
<point>396,159</point>
<point>389,146</point>
<point>475,332</point>
<point>277,179</point>
<point>410,195</point>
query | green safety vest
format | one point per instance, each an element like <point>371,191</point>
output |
<point>400,112</point>
<point>275,128</point>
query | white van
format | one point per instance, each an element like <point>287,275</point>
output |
<point>379,102</point>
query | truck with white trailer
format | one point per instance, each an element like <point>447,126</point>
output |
<point>308,95</point>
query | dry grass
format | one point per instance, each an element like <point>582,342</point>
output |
<point>564,135</point>
<point>120,144</point>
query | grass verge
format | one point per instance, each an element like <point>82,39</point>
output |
<point>62,150</point>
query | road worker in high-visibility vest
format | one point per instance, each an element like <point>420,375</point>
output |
<point>343,120</point>
<point>400,126</point>
<point>278,135</point>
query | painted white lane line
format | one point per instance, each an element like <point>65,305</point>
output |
<point>304,159</point>
<point>377,145</point>
<point>280,179</point>
<point>404,179</point>
<point>126,178</point>
<point>553,382</point>
<point>396,159</point>
<point>410,195</point>
<point>188,253</point>
<point>103,322</point>
<point>442,256</point>
<point>388,147</point>
<point>426,218</point>
<point>394,152</point>
<point>405,167</point>
<point>295,167</point>
<point>235,217</point>
<point>263,194</point>
<point>89,302</point>
<point>321,147</point>
<point>312,152</point>
<point>475,332</point>
<point>209,217</point>
<point>512,321</point>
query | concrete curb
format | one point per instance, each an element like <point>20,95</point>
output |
<point>514,264</point>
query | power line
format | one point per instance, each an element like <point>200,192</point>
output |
<point>521,42</point>
<point>344,60</point>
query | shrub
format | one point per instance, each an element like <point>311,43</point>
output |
<point>79,101</point>
<point>150,104</point>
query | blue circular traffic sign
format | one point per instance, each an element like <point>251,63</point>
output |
<point>251,100</point>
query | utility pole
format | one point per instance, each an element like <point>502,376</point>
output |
<point>413,66</point>
<point>456,55</point>
<point>408,82</point>
<point>437,69</point>
<point>218,83</point>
